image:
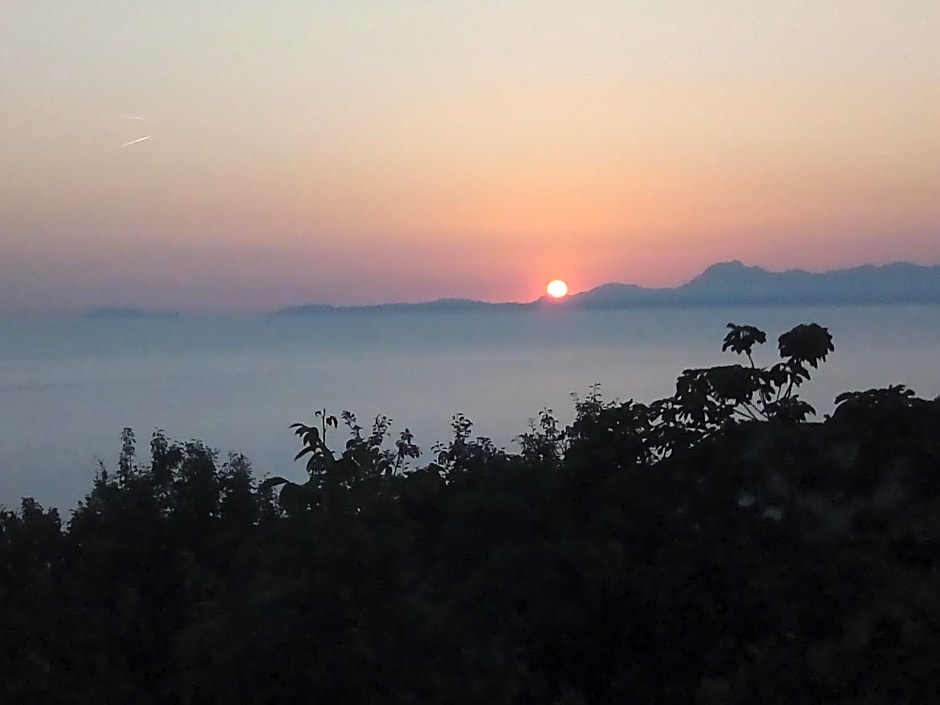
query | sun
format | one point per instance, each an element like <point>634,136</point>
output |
<point>557,289</point>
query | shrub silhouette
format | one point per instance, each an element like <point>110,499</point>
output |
<point>714,546</point>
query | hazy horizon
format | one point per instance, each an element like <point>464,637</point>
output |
<point>237,383</point>
<point>832,297</point>
<point>224,156</point>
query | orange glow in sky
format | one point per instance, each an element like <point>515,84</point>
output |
<point>366,152</point>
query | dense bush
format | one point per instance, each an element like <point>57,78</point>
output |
<point>710,547</point>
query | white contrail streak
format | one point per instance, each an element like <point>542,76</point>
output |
<point>137,141</point>
<point>122,116</point>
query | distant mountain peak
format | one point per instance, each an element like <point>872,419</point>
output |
<point>728,273</point>
<point>730,264</point>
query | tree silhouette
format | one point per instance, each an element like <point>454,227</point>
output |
<point>714,546</point>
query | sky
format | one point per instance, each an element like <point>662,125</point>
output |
<point>397,150</point>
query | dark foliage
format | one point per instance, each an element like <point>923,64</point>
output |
<point>710,547</point>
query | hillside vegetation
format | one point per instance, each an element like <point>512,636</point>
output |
<point>716,546</point>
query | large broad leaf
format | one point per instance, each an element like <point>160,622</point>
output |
<point>790,410</point>
<point>311,437</point>
<point>733,383</point>
<point>809,343</point>
<point>302,453</point>
<point>742,339</point>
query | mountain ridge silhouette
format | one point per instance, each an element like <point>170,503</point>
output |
<point>721,284</point>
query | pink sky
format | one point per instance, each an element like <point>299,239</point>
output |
<point>402,151</point>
